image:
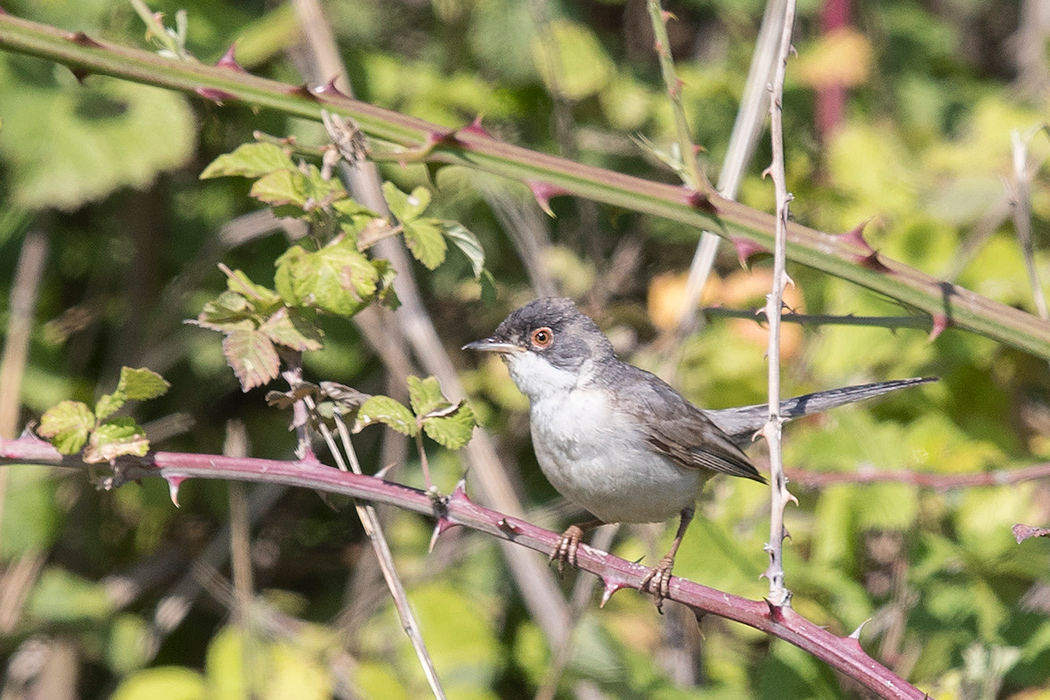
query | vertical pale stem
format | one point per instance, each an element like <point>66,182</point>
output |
<point>778,594</point>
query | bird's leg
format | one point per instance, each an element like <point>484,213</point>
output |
<point>565,551</point>
<point>658,582</point>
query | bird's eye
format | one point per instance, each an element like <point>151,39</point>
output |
<point>542,337</point>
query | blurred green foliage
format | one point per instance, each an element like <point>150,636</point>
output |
<point>109,172</point>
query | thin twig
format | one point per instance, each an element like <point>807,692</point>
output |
<point>869,475</point>
<point>778,594</point>
<point>582,592</point>
<point>1021,203</point>
<point>757,315</point>
<point>241,557</point>
<point>694,175</point>
<point>742,143</point>
<point>374,530</point>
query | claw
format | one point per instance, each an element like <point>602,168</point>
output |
<point>658,582</point>
<point>567,547</point>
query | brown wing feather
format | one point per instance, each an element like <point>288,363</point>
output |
<point>678,429</point>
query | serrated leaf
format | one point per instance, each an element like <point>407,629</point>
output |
<point>423,237</point>
<point>488,288</point>
<point>321,190</point>
<point>406,207</point>
<point>287,327</point>
<point>383,409</point>
<point>466,242</point>
<point>386,294</point>
<point>114,438</point>
<point>229,311</point>
<point>260,299</point>
<point>141,384</point>
<point>67,425</point>
<point>425,395</point>
<point>252,356</point>
<point>354,217</point>
<point>337,279</point>
<point>281,187</point>
<point>453,428</point>
<point>250,160</point>
<point>109,404</point>
<point>63,148</point>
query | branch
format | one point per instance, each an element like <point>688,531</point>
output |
<point>841,653</point>
<point>869,475</point>
<point>846,256</point>
<point>779,496</point>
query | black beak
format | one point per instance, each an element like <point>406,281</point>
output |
<point>492,345</point>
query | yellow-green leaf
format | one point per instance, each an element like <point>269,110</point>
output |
<point>383,409</point>
<point>66,426</point>
<point>252,356</point>
<point>250,160</point>
<point>115,438</point>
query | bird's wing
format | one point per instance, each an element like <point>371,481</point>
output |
<point>679,430</point>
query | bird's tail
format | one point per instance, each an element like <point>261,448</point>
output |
<point>741,423</point>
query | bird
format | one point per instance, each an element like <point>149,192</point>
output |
<point>617,440</point>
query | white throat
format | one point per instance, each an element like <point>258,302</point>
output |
<point>537,378</point>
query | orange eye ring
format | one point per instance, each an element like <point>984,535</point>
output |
<point>542,337</point>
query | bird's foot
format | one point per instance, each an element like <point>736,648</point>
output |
<point>565,551</point>
<point>658,582</point>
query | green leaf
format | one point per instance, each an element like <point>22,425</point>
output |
<point>114,438</point>
<point>383,409</point>
<point>281,187</point>
<point>451,428</point>
<point>338,278</point>
<point>573,63</point>
<point>353,216</point>
<point>425,395</point>
<point>488,288</point>
<point>252,356</point>
<point>109,404</point>
<point>61,597</point>
<point>386,294</point>
<point>424,239</point>
<point>65,147</point>
<point>250,160</point>
<point>466,242</point>
<point>229,311</point>
<point>168,682</point>
<point>406,207</point>
<point>141,384</point>
<point>287,327</point>
<point>67,425</point>
<point>261,299</point>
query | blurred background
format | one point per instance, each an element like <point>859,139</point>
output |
<point>900,112</point>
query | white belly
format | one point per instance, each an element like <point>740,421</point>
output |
<point>588,454</point>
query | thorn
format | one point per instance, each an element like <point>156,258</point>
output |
<point>856,236</point>
<point>229,60</point>
<point>776,612</point>
<point>460,492</point>
<point>855,634</point>
<point>174,482</point>
<point>668,16</point>
<point>745,248</point>
<point>82,39</point>
<point>508,527</point>
<point>700,201</point>
<point>80,74</point>
<point>476,128</point>
<point>940,323</point>
<point>697,148</point>
<point>790,497</point>
<point>302,91</point>
<point>443,524</point>
<point>544,192</point>
<point>216,96</point>
<point>381,474</point>
<point>440,137</point>
<point>872,262</point>
<point>433,168</point>
<point>610,587</point>
<point>330,90</point>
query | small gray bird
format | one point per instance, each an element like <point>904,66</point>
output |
<point>619,441</point>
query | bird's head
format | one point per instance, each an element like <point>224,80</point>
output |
<point>548,346</point>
